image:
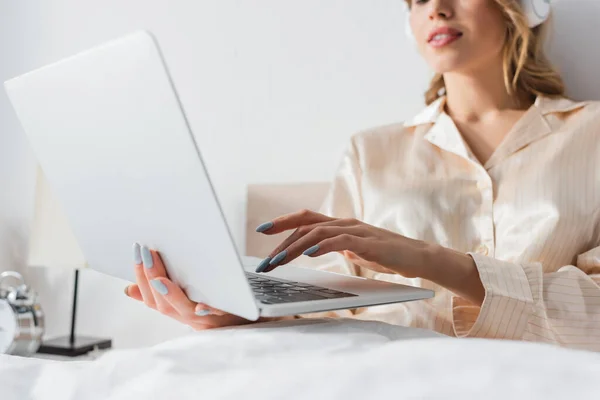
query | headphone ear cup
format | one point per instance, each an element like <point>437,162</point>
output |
<point>536,11</point>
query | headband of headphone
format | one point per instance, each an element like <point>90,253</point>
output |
<point>536,11</point>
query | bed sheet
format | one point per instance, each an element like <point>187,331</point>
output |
<point>312,359</point>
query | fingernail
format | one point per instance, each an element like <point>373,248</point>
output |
<point>159,286</point>
<point>264,227</point>
<point>277,259</point>
<point>311,250</point>
<point>137,255</point>
<point>263,264</point>
<point>202,313</point>
<point>147,257</point>
<point>126,291</point>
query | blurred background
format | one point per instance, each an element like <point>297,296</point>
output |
<point>272,89</point>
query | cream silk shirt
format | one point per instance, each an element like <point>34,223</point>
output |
<point>529,217</point>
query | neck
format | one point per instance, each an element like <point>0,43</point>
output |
<point>475,95</point>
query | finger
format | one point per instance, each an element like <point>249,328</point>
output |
<point>204,309</point>
<point>306,230</point>
<point>141,279</point>
<point>341,243</point>
<point>309,243</point>
<point>276,254</point>
<point>292,221</point>
<point>154,268</point>
<point>133,291</point>
<point>153,264</point>
<point>185,307</point>
<point>174,297</point>
<point>211,322</point>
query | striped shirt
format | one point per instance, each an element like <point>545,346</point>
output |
<point>529,217</point>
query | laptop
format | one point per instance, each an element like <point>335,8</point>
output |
<point>110,134</point>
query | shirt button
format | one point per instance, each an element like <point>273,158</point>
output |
<point>483,249</point>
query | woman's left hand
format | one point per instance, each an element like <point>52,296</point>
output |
<point>365,245</point>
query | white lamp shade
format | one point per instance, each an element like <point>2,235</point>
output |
<point>51,241</point>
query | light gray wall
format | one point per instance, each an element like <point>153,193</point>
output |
<point>17,26</point>
<point>573,47</point>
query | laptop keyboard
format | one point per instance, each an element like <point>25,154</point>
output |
<point>271,290</point>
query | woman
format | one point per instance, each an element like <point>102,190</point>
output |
<point>490,196</point>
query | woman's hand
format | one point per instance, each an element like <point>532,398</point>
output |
<point>154,288</point>
<point>367,246</point>
<point>372,248</point>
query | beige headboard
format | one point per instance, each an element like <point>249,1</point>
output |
<point>265,202</point>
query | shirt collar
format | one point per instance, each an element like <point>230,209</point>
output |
<point>539,121</point>
<point>549,105</point>
<point>439,129</point>
<point>546,105</point>
<point>429,114</point>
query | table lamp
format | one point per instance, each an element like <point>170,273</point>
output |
<point>53,244</point>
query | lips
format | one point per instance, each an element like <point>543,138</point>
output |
<point>443,36</point>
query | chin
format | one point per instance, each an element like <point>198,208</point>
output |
<point>448,63</point>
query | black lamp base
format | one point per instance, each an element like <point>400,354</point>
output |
<point>62,346</point>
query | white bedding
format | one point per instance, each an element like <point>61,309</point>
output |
<point>312,359</point>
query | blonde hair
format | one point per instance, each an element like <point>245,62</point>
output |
<point>527,70</point>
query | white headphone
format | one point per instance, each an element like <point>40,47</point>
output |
<point>536,11</point>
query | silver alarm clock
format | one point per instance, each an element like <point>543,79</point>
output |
<point>21,317</point>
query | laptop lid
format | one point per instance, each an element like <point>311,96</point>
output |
<point>109,133</point>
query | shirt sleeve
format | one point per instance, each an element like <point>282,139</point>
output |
<point>524,303</point>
